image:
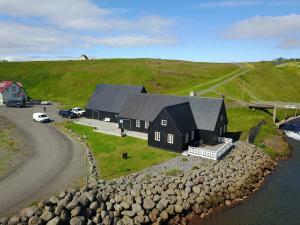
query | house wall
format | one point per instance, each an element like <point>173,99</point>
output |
<point>11,94</point>
<point>179,139</point>
<point>211,137</point>
<point>1,99</point>
<point>100,115</point>
<point>130,124</point>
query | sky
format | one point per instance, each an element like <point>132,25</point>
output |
<point>203,30</point>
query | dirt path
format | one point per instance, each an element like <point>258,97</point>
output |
<point>56,163</point>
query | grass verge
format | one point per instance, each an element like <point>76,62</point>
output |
<point>108,149</point>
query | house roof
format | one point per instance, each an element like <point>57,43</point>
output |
<point>110,98</point>
<point>180,111</point>
<point>6,83</point>
<point>146,107</point>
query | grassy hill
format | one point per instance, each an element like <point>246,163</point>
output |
<point>72,82</point>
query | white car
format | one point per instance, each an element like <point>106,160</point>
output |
<point>78,111</point>
<point>46,103</point>
<point>41,117</point>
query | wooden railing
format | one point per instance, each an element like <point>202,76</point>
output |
<point>210,154</point>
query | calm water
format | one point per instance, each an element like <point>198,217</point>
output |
<point>276,203</point>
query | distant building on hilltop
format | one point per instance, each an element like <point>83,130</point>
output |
<point>11,91</point>
<point>84,57</point>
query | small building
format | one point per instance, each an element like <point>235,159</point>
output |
<point>84,57</point>
<point>107,101</point>
<point>11,91</point>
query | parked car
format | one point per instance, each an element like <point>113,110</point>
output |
<point>46,102</point>
<point>78,111</point>
<point>41,117</point>
<point>17,104</point>
<point>33,102</point>
<point>67,114</point>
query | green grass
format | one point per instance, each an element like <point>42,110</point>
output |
<point>72,82</point>
<point>265,81</point>
<point>108,150</point>
<point>173,172</point>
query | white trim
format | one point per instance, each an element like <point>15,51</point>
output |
<point>146,124</point>
<point>186,137</point>
<point>170,139</point>
<point>164,122</point>
<point>157,136</point>
<point>138,123</point>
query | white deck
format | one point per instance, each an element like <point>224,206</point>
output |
<point>210,152</point>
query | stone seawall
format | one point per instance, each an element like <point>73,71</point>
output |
<point>155,196</point>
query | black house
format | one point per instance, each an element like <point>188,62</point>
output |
<point>140,111</point>
<point>107,101</point>
<point>170,131</point>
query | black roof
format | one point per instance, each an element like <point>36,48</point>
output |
<point>182,116</point>
<point>146,107</point>
<point>110,98</point>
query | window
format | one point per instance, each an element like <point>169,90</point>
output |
<point>13,88</point>
<point>187,138</point>
<point>157,136</point>
<point>164,122</point>
<point>192,135</point>
<point>170,139</point>
<point>138,123</point>
<point>14,96</point>
<point>146,124</point>
<point>225,128</point>
<point>221,117</point>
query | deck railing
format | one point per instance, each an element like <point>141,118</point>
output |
<point>210,154</point>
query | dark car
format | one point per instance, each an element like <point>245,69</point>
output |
<point>67,114</point>
<point>16,104</point>
<point>33,102</point>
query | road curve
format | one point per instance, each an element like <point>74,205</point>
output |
<point>56,163</point>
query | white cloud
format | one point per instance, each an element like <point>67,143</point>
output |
<point>79,15</point>
<point>131,41</point>
<point>246,3</point>
<point>289,44</point>
<point>17,38</point>
<point>229,4</point>
<point>265,27</point>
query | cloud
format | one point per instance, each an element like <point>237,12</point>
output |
<point>265,27</point>
<point>131,41</point>
<point>289,44</point>
<point>79,15</point>
<point>229,4</point>
<point>18,38</point>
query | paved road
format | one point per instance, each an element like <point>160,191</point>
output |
<point>56,162</point>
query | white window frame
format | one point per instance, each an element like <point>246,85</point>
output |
<point>164,122</point>
<point>137,123</point>
<point>146,124</point>
<point>170,139</point>
<point>157,136</point>
<point>192,135</point>
<point>186,137</point>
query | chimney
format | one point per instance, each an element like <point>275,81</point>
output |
<point>192,93</point>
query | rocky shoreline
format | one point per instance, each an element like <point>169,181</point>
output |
<point>168,194</point>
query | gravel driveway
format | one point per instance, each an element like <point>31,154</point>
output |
<point>56,164</point>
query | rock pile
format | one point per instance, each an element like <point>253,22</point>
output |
<point>155,198</point>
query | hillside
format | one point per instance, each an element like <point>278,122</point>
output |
<point>72,82</point>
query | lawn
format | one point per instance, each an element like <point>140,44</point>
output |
<point>108,149</point>
<point>72,82</point>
